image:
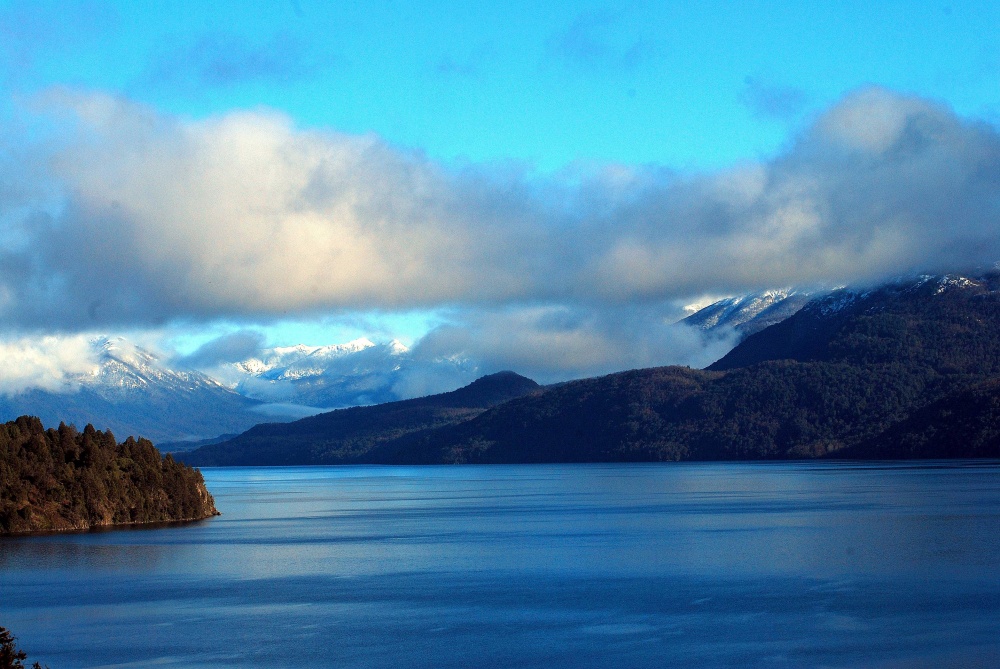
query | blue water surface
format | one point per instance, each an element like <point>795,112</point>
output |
<point>617,565</point>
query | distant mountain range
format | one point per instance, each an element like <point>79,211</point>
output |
<point>306,379</point>
<point>133,392</point>
<point>908,369</point>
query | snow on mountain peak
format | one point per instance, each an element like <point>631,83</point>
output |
<point>837,300</point>
<point>953,281</point>
<point>740,310</point>
<point>124,367</point>
<point>304,361</point>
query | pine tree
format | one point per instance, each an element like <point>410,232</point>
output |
<point>10,656</point>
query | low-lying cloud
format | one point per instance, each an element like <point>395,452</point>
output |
<point>228,348</point>
<point>50,363</point>
<point>552,344</point>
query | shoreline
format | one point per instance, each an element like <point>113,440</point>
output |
<point>141,525</point>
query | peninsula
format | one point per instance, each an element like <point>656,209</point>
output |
<point>62,479</point>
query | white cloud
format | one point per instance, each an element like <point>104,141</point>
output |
<point>552,344</point>
<point>245,215</point>
<point>53,363</point>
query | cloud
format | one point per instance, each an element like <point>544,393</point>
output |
<point>231,347</point>
<point>424,377</point>
<point>772,101</point>
<point>555,343</point>
<point>594,40</point>
<point>30,29</point>
<point>244,216</point>
<point>47,363</point>
<point>221,60</point>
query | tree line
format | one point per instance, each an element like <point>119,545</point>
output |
<point>64,479</point>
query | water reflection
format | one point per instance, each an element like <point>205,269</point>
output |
<point>22,554</point>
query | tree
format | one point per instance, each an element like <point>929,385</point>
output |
<point>10,656</point>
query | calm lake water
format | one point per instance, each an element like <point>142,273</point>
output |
<point>672,565</point>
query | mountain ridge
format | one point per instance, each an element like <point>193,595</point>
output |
<point>846,370</point>
<point>751,313</point>
<point>131,392</point>
<point>346,435</point>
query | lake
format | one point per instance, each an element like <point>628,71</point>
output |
<point>549,566</point>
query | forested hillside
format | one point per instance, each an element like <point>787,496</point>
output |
<point>879,373</point>
<point>349,435</point>
<point>63,479</point>
<point>908,369</point>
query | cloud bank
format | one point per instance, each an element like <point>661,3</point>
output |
<point>126,217</point>
<point>245,215</point>
<point>554,343</point>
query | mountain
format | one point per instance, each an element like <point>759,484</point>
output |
<point>302,361</point>
<point>860,373</point>
<point>749,314</point>
<point>348,435</point>
<point>942,321</point>
<point>331,377</point>
<point>132,392</point>
<point>845,372</point>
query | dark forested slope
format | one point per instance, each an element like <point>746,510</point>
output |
<point>963,424</point>
<point>948,324</point>
<point>62,479</point>
<point>348,435</point>
<point>844,376</point>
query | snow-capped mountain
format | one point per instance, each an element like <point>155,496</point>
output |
<point>357,373</point>
<point>300,361</point>
<point>132,392</point>
<point>126,369</point>
<point>963,302</point>
<point>750,313</point>
<point>929,285</point>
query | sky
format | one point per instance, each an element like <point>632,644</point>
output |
<point>534,186</point>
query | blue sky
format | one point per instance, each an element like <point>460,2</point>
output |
<point>688,85</point>
<point>443,172</point>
